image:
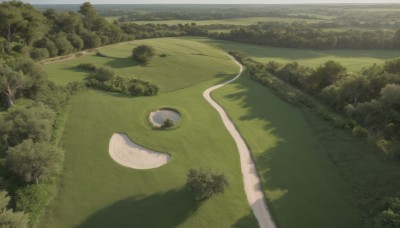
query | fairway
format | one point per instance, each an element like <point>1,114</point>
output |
<point>95,191</point>
<point>183,66</point>
<point>298,179</point>
<point>353,60</point>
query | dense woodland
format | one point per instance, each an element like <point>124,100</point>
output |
<point>367,102</point>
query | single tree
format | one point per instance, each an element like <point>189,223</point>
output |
<point>205,184</point>
<point>10,83</point>
<point>34,162</point>
<point>8,218</point>
<point>167,123</point>
<point>143,53</point>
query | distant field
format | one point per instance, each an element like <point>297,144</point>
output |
<point>234,21</point>
<point>111,19</point>
<point>353,60</point>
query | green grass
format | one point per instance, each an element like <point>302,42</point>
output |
<point>353,60</point>
<point>303,188</point>
<point>234,21</point>
<point>188,63</point>
<point>95,191</point>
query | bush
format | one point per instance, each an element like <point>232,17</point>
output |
<point>76,87</point>
<point>143,53</point>
<point>163,55</point>
<point>205,184</point>
<point>103,74</point>
<point>32,200</point>
<point>39,53</point>
<point>360,132</point>
<point>87,66</point>
<point>168,123</point>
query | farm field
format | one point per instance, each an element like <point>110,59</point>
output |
<point>95,191</point>
<point>353,60</point>
<point>234,21</point>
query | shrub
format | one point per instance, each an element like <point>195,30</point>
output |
<point>168,123</point>
<point>143,53</point>
<point>87,66</point>
<point>205,184</point>
<point>39,53</point>
<point>103,74</point>
<point>163,55</point>
<point>360,131</point>
<point>32,200</point>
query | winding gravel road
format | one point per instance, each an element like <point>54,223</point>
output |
<point>252,184</point>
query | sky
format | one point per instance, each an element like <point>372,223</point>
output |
<point>205,1</point>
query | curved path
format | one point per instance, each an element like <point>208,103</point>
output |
<point>252,184</point>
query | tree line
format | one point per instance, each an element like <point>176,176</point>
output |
<point>27,31</point>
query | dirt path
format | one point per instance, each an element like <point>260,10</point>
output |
<point>252,184</point>
<point>66,57</point>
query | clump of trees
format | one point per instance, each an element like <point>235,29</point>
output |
<point>105,78</point>
<point>27,31</point>
<point>206,183</point>
<point>143,53</point>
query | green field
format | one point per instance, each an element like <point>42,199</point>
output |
<point>95,191</point>
<point>234,21</point>
<point>353,60</point>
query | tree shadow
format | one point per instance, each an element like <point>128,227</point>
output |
<point>118,63</point>
<point>246,222</point>
<point>168,209</point>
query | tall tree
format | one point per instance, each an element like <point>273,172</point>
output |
<point>34,162</point>
<point>10,83</point>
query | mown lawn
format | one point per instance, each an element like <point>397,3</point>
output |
<point>186,64</point>
<point>95,191</point>
<point>353,60</point>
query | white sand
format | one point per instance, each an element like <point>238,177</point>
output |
<point>251,180</point>
<point>127,153</point>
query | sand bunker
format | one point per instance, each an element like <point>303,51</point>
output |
<point>158,117</point>
<point>127,153</point>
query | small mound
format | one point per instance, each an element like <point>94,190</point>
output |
<point>127,153</point>
<point>158,117</point>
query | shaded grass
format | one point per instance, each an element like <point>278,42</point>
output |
<point>353,60</point>
<point>95,191</point>
<point>303,188</point>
